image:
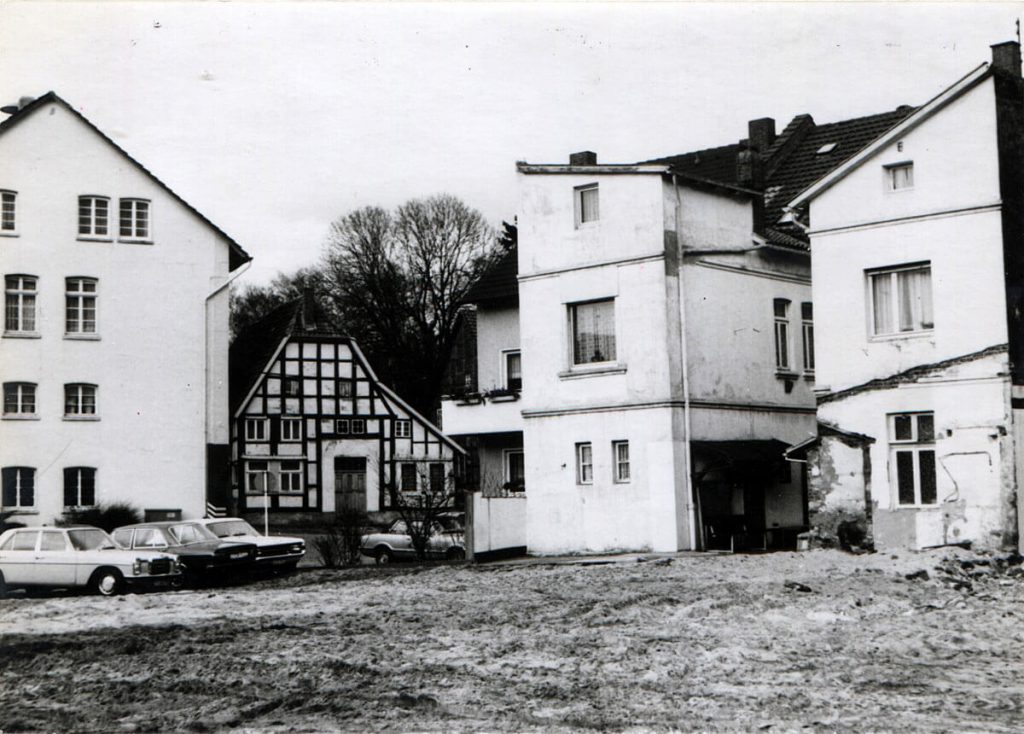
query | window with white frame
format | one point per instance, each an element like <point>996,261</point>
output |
<point>515,470</point>
<point>807,317</point>
<point>584,464</point>
<point>342,426</point>
<point>19,486</point>
<point>899,176</point>
<point>255,429</point>
<point>79,400</point>
<point>79,486</point>
<point>19,399</point>
<point>587,204</point>
<point>80,305</point>
<point>134,219</point>
<point>408,477</point>
<point>258,477</point>
<point>593,332</point>
<point>8,223</point>
<point>513,365</point>
<point>291,476</point>
<point>358,426</point>
<point>912,458</point>
<point>781,307</point>
<point>94,216</point>
<point>20,304</point>
<point>291,429</point>
<point>901,300</point>
<point>620,455</point>
<point>403,428</point>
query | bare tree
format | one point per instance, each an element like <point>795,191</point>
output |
<point>250,303</point>
<point>428,512</point>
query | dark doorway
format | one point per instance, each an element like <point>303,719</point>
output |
<point>350,483</point>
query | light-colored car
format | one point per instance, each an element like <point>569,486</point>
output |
<point>447,540</point>
<point>79,557</point>
<point>277,552</point>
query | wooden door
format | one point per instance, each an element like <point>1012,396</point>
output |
<point>350,483</point>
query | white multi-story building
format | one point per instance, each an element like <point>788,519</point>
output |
<point>918,252</point>
<point>114,351</point>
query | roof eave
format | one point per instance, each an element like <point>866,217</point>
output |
<point>556,168</point>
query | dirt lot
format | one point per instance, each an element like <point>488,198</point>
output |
<point>696,643</point>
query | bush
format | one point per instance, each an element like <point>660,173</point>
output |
<point>106,517</point>
<point>339,545</point>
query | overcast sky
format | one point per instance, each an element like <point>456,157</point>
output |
<point>275,118</point>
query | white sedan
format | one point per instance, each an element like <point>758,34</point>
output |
<point>77,557</point>
<point>447,540</point>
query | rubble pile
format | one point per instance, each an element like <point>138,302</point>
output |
<point>964,574</point>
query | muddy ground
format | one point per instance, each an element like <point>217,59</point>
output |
<point>698,643</point>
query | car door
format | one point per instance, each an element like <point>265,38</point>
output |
<point>55,560</point>
<point>17,558</point>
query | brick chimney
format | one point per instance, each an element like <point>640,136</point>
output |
<point>1006,57</point>
<point>761,133</point>
<point>583,158</point>
<point>308,314</point>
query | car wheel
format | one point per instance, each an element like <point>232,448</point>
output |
<point>108,582</point>
<point>455,554</point>
<point>383,555</point>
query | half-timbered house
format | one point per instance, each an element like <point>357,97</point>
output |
<point>315,431</point>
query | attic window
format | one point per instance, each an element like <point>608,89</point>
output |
<point>827,148</point>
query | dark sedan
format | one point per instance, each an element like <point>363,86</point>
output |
<point>202,554</point>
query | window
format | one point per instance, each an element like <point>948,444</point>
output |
<point>80,306</point>
<point>593,332</point>
<point>513,370</point>
<point>20,302</point>
<point>807,316</point>
<point>587,204</point>
<point>403,428</point>
<point>257,477</point>
<point>23,541</point>
<point>781,306</point>
<point>515,470</point>
<point>620,454</point>
<point>901,300</point>
<point>19,486</point>
<point>912,458</point>
<point>584,464</point>
<point>255,429</point>
<point>291,476</point>
<point>342,426</point>
<point>134,219</point>
<point>345,389</point>
<point>19,398</point>
<point>79,400</point>
<point>8,224</point>
<point>899,176</point>
<point>52,540</point>
<point>292,386</point>
<point>408,477</point>
<point>436,478</point>
<point>79,486</point>
<point>291,429</point>
<point>358,425</point>
<point>93,216</point>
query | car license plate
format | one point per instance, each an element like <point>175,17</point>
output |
<point>239,555</point>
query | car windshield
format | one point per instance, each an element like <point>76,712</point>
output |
<point>192,532</point>
<point>231,528</point>
<point>91,539</point>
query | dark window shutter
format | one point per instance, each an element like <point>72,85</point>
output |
<point>9,474</point>
<point>70,487</point>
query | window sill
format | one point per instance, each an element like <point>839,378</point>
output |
<point>902,335</point>
<point>786,374</point>
<point>9,233</point>
<point>133,241</point>
<point>82,337</point>
<point>809,375</point>
<point>81,418</point>
<point>22,335</point>
<point>608,368</point>
<point>93,238</point>
<point>15,417</point>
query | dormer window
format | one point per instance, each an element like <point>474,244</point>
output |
<point>587,204</point>
<point>8,224</point>
<point>899,176</point>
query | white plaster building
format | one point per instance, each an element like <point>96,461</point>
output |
<point>315,431</point>
<point>114,352</point>
<point>918,271</point>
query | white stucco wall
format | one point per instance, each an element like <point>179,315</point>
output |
<point>499,523</point>
<point>708,221</point>
<point>497,331</point>
<point>150,361</point>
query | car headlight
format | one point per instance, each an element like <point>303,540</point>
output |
<point>140,567</point>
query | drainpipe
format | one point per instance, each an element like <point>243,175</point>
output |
<point>687,457</point>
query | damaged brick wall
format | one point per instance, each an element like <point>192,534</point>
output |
<point>838,494</point>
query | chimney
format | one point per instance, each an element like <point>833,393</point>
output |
<point>308,314</point>
<point>1006,57</point>
<point>583,158</point>
<point>761,133</point>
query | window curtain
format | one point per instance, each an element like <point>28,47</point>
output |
<point>594,338</point>
<point>915,294</point>
<point>881,296</point>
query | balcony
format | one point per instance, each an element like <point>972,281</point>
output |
<point>490,411</point>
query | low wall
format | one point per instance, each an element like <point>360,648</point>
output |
<point>497,526</point>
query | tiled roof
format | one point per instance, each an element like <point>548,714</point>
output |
<point>499,283</point>
<point>714,164</point>
<point>238,255</point>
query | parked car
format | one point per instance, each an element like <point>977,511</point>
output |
<point>79,556</point>
<point>447,540</point>
<point>202,554</point>
<point>275,552</point>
